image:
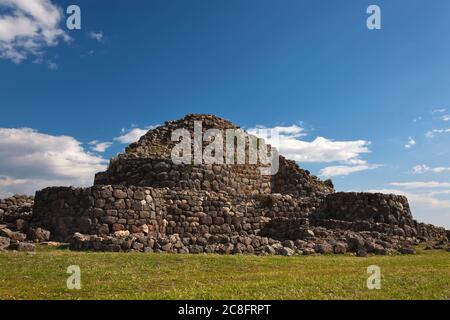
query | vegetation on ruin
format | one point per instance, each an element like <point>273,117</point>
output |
<point>42,275</point>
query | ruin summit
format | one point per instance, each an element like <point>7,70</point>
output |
<point>146,202</point>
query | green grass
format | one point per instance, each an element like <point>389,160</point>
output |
<point>42,275</point>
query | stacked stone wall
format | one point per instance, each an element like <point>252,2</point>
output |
<point>16,207</point>
<point>290,179</point>
<point>159,173</point>
<point>104,210</point>
<point>371,207</point>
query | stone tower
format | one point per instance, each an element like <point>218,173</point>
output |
<point>148,163</point>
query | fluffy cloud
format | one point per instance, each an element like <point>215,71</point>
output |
<point>441,110</point>
<point>421,184</point>
<point>446,117</point>
<point>420,169</point>
<point>432,133</point>
<point>411,143</point>
<point>132,135</point>
<point>343,170</point>
<point>27,27</point>
<point>320,150</point>
<point>30,160</point>
<point>98,36</point>
<point>100,146</point>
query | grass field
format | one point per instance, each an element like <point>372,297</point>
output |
<point>42,275</point>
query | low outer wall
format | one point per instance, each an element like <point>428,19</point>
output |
<point>104,210</point>
<point>16,207</point>
<point>371,207</point>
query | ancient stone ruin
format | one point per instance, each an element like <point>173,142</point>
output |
<point>144,202</point>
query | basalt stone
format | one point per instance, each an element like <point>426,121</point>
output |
<point>407,250</point>
<point>17,236</point>
<point>39,234</point>
<point>109,219</point>
<point>22,246</point>
<point>119,194</point>
<point>308,251</point>
<point>289,244</point>
<point>112,248</point>
<point>323,248</point>
<point>285,251</point>
<point>195,249</point>
<point>4,242</point>
<point>361,252</point>
<point>340,247</point>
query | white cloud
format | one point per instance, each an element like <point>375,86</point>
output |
<point>420,169</point>
<point>411,143</point>
<point>30,160</point>
<point>98,36</point>
<point>421,184</point>
<point>446,117</point>
<point>343,170</point>
<point>293,131</point>
<point>432,133</point>
<point>8,182</point>
<point>441,110</point>
<point>132,135</point>
<point>100,146</point>
<point>27,27</point>
<point>320,150</point>
<point>52,66</point>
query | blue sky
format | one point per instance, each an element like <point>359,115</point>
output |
<point>311,64</point>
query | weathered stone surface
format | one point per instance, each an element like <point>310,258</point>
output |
<point>285,251</point>
<point>38,234</point>
<point>4,242</point>
<point>22,246</point>
<point>340,247</point>
<point>18,236</point>
<point>362,252</point>
<point>407,250</point>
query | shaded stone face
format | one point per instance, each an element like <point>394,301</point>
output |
<point>373,208</point>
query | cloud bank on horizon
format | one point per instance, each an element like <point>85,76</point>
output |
<point>30,161</point>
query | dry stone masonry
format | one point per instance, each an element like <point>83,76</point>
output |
<point>144,202</point>
<point>17,232</point>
